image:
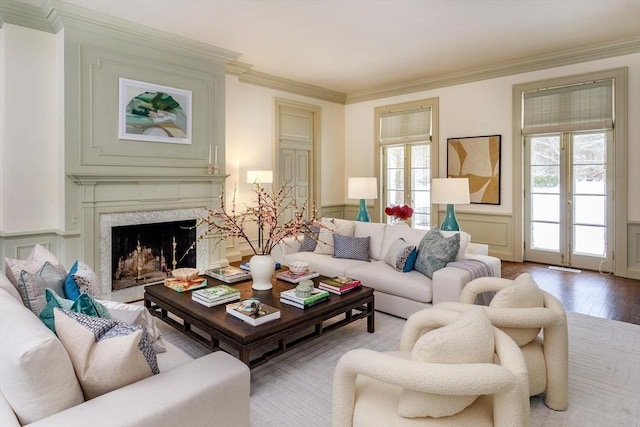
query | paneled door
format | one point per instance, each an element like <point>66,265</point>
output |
<point>295,151</point>
<point>568,198</point>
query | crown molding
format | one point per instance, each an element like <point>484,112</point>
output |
<point>24,15</point>
<point>236,68</point>
<point>536,63</point>
<point>61,14</point>
<point>279,83</point>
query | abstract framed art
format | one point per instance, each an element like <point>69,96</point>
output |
<point>154,113</point>
<point>476,158</point>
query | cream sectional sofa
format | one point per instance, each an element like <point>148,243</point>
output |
<point>38,386</point>
<point>397,293</point>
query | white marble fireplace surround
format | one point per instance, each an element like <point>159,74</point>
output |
<point>110,220</point>
<point>110,200</point>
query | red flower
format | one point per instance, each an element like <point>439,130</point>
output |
<point>402,212</point>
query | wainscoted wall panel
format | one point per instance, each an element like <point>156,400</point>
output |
<point>494,230</point>
<point>19,245</point>
<point>633,250</point>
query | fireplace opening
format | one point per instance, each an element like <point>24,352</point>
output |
<point>144,254</point>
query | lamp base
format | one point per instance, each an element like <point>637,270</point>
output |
<point>450,223</point>
<point>363,214</point>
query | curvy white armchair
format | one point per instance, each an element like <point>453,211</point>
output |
<point>444,374</point>
<point>536,321</point>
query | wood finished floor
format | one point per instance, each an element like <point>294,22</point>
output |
<point>587,292</point>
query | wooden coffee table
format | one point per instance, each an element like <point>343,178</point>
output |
<point>256,344</point>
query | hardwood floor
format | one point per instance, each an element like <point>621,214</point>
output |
<point>587,292</point>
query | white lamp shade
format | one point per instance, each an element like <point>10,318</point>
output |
<point>259,177</point>
<point>454,191</point>
<point>362,188</point>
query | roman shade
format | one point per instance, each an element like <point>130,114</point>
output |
<point>405,126</point>
<point>585,106</point>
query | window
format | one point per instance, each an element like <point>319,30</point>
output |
<point>568,138</point>
<point>407,158</point>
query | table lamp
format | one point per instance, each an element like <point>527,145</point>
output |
<point>450,191</point>
<point>362,188</point>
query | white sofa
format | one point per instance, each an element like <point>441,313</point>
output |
<point>397,293</point>
<point>38,386</point>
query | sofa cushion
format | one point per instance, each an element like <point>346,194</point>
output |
<point>412,236</point>
<point>31,286</point>
<point>331,226</point>
<point>468,339</point>
<point>435,251</point>
<point>38,256</point>
<point>83,304</point>
<point>381,277</point>
<point>401,256</point>
<point>351,247</point>
<point>106,354</point>
<point>37,375</point>
<point>375,232</point>
<point>136,314</point>
<point>522,293</point>
<point>9,287</point>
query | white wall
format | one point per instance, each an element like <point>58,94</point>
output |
<point>30,172</point>
<point>484,108</point>
<point>250,138</point>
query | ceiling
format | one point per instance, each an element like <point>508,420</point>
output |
<point>357,45</point>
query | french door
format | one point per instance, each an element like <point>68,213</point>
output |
<point>568,199</point>
<point>407,178</point>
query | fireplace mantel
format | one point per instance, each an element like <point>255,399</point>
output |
<point>114,198</point>
<point>94,178</point>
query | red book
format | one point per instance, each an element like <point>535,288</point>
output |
<point>340,291</point>
<point>340,283</point>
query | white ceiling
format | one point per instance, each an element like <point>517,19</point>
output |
<point>355,45</point>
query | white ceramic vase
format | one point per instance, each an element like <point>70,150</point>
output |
<point>262,268</point>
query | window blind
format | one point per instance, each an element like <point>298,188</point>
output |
<point>405,126</point>
<point>587,106</point>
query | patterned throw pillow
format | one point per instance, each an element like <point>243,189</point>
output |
<point>32,286</point>
<point>106,354</point>
<point>435,251</point>
<point>309,242</point>
<point>351,247</point>
<point>83,304</point>
<point>401,256</point>
<point>82,279</point>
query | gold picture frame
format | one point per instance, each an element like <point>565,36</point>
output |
<point>478,159</point>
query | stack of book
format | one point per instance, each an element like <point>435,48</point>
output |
<point>317,296</point>
<point>339,285</point>
<point>264,315</point>
<point>184,285</point>
<point>228,274</point>
<point>291,277</point>
<point>215,295</point>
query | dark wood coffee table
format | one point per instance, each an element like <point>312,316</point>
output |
<point>295,326</point>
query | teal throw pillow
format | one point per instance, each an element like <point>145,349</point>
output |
<point>83,304</point>
<point>71,290</point>
<point>435,251</point>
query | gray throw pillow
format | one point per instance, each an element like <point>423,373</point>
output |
<point>435,251</point>
<point>351,247</point>
<point>309,242</point>
<point>32,285</point>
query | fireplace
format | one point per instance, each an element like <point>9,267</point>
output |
<point>144,254</point>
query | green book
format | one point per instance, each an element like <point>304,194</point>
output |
<point>215,292</point>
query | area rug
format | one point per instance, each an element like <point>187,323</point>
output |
<point>295,388</point>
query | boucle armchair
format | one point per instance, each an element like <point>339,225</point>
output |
<point>444,374</point>
<point>536,321</point>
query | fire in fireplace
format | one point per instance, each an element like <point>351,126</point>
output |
<point>146,253</point>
